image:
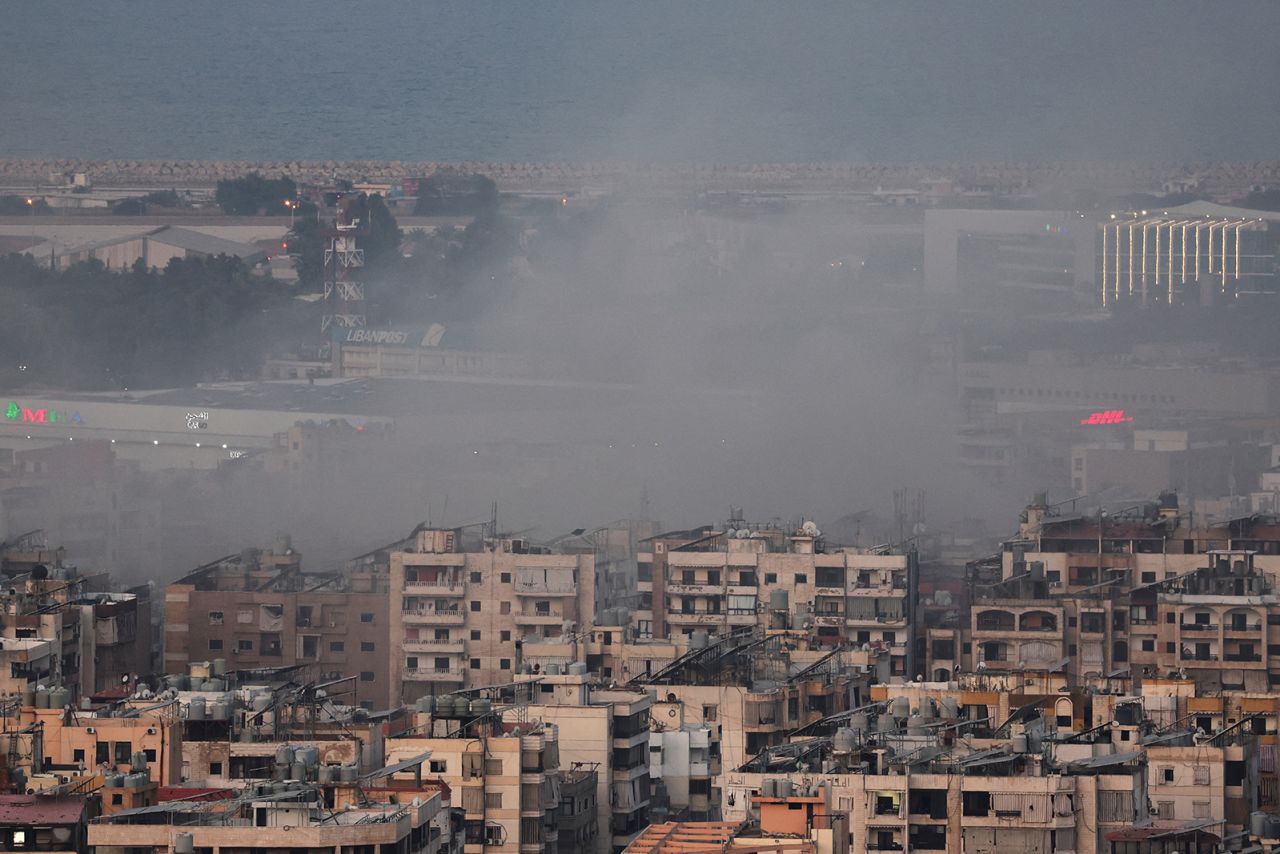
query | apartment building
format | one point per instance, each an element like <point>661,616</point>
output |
<point>504,776</point>
<point>41,741</point>
<point>461,611</point>
<point>771,578</point>
<point>261,609</point>
<point>1142,593</point>
<point>296,818</point>
<point>61,628</point>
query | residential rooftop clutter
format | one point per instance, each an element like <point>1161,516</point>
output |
<point>262,609</point>
<point>61,631</point>
<point>779,577</point>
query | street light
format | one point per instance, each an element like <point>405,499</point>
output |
<point>293,207</point>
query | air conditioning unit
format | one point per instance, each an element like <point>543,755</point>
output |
<point>90,730</point>
<point>151,730</point>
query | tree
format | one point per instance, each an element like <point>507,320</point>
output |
<point>254,194</point>
<point>444,194</point>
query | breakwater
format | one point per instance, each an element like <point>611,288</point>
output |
<point>998,176</point>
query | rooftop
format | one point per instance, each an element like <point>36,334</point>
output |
<point>34,809</point>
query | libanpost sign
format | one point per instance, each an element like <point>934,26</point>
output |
<point>391,337</point>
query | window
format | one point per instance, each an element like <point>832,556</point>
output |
<point>438,766</point>
<point>475,664</point>
<point>337,646</point>
<point>244,645</point>
<point>475,634</point>
<point>77,755</point>
<point>505,577</point>
<point>1148,578</point>
<point>366,675</point>
<point>1170,647</point>
<point>475,607</point>
<point>1148,645</point>
<point>504,607</point>
<point>493,767</point>
<point>150,753</point>
<point>1166,775</point>
<point>368,646</point>
<point>504,636</point>
<point>1200,775</point>
<point>1200,809</point>
<point>1170,617</point>
<point>771,578</point>
<point>493,800</point>
<point>215,643</point>
<point>102,753</point>
<point>215,769</point>
<point>709,713</point>
<point>366,617</point>
<point>1164,810</point>
<point>215,618</point>
<point>123,751</point>
<point>802,578</point>
<point>475,578</point>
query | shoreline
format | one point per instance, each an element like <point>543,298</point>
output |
<point>999,176</point>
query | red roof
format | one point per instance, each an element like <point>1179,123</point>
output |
<point>35,809</point>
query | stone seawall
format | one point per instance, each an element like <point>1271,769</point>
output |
<point>1008,176</point>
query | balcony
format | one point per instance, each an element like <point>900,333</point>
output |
<point>444,647</point>
<point>434,588</point>
<point>539,588</point>
<point>699,589</point>
<point>1198,627</point>
<point>702,619</point>
<point>1250,629</point>
<point>435,616</point>
<point>435,674</point>
<point>538,618</point>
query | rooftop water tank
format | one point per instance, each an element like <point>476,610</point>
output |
<point>845,741</point>
<point>325,774</point>
<point>349,773</point>
<point>261,701</point>
<point>552,669</point>
<point>859,722</point>
<point>578,668</point>
<point>779,600</point>
<point>769,788</point>
<point>901,707</point>
<point>480,706</point>
<point>284,754</point>
<point>219,667</point>
<point>426,703</point>
<point>195,709</point>
<point>184,843</point>
<point>59,698</point>
<point>1020,743</point>
<point>699,639</point>
<point>784,788</point>
<point>42,699</point>
<point>298,771</point>
<point>309,755</point>
<point>1258,823</point>
<point>915,725</point>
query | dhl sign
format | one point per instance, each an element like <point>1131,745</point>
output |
<point>1106,416</point>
